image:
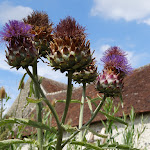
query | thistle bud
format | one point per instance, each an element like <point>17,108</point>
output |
<point>86,75</point>
<point>109,83</point>
<point>2,93</point>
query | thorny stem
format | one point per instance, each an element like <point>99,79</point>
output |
<point>93,116</point>
<point>44,98</point>
<point>81,111</point>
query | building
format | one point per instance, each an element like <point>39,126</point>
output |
<point>136,93</point>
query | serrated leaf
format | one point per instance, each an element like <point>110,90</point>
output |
<point>21,81</point>
<point>69,128</point>
<point>88,145</point>
<point>90,105</point>
<point>72,101</point>
<point>26,122</point>
<point>31,89</point>
<point>32,100</point>
<point>118,146</point>
<point>94,99</point>
<point>113,118</point>
<point>15,141</point>
<point>97,134</point>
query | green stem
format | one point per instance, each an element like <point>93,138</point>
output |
<point>68,97</point>
<point>1,108</point>
<point>93,116</point>
<point>81,111</point>
<point>1,129</point>
<point>44,98</point>
<point>38,108</point>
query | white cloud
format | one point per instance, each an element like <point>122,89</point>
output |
<point>43,69</point>
<point>133,57</point>
<point>99,52</point>
<point>128,10</point>
<point>9,12</point>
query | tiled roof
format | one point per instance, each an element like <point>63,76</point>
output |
<point>136,93</point>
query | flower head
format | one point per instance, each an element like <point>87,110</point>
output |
<point>68,27</point>
<point>21,50</point>
<point>109,82</point>
<point>69,49</point>
<point>15,30</point>
<point>42,29</point>
<point>115,59</point>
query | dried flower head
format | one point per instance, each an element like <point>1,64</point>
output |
<point>2,93</point>
<point>37,18</point>
<point>42,29</point>
<point>115,59</point>
<point>68,27</point>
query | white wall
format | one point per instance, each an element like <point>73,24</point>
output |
<point>144,140</point>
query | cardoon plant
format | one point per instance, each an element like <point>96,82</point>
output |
<point>22,52</point>
<point>69,52</point>
<point>116,67</point>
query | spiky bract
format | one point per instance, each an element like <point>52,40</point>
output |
<point>21,52</point>
<point>69,51</point>
<point>109,83</point>
<point>86,75</point>
<point>69,54</point>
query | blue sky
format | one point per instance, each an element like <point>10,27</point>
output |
<point>122,23</point>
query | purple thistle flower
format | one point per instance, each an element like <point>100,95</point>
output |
<point>15,29</point>
<point>115,58</point>
<point>21,50</point>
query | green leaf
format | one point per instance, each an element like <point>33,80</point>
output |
<point>90,105</point>
<point>94,99</point>
<point>21,81</point>
<point>27,122</point>
<point>31,89</point>
<point>69,128</point>
<point>32,100</point>
<point>113,118</point>
<point>95,133</point>
<point>40,80</point>
<point>15,141</point>
<point>118,146</point>
<point>72,101</point>
<point>88,145</point>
